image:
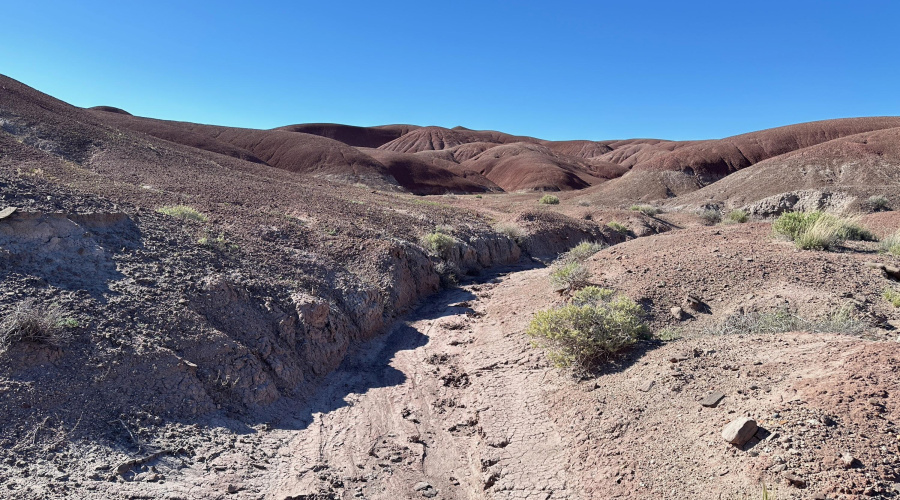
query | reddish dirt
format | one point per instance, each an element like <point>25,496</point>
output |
<point>296,343</point>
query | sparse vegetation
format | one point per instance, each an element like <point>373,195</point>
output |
<point>590,295</point>
<point>449,273</point>
<point>710,216</point>
<point>618,227</point>
<point>570,277</point>
<point>584,203</point>
<point>549,199</point>
<point>183,212</point>
<point>646,209</point>
<point>818,230</point>
<point>891,295</point>
<point>737,217</point>
<point>219,242</point>
<point>438,243</point>
<point>581,336</point>
<point>891,244</point>
<point>510,229</point>
<point>28,322</point>
<point>478,196</point>
<point>669,334</point>
<point>782,320</point>
<point>878,203</point>
<point>581,252</point>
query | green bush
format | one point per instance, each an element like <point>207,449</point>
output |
<point>737,217</point>
<point>40,325</point>
<point>581,252</point>
<point>878,203</point>
<point>645,209</point>
<point>569,277</point>
<point>892,296</point>
<point>710,216</point>
<point>618,227</point>
<point>219,242</point>
<point>182,212</point>
<point>583,336</point>
<point>438,243</point>
<point>591,295</point>
<point>891,244</point>
<point>549,199</point>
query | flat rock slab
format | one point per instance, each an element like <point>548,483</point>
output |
<point>6,212</point>
<point>712,400</point>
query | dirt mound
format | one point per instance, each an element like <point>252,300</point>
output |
<point>424,175</point>
<point>365,137</point>
<point>174,132</point>
<point>110,109</point>
<point>858,166</point>
<point>524,166</point>
<point>438,138</point>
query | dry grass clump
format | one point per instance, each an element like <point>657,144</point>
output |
<point>587,331</point>
<point>878,203</point>
<point>737,217</point>
<point>891,244</point>
<point>710,216</point>
<point>646,209</point>
<point>40,325</point>
<point>183,212</point>
<point>891,295</point>
<point>617,226</point>
<point>818,230</point>
<point>781,320</point>
<point>549,199</point>
<point>511,230</point>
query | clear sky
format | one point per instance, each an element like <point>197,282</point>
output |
<point>555,70</point>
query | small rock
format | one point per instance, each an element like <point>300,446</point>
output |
<point>233,488</point>
<point>847,460</point>
<point>739,431</point>
<point>421,485</point>
<point>677,313</point>
<point>712,400</point>
<point>793,480</point>
<point>778,468</point>
<point>646,386</point>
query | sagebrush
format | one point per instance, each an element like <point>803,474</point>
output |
<point>512,230</point>
<point>617,226</point>
<point>737,217</point>
<point>583,335</point>
<point>891,295</point>
<point>782,320</point>
<point>571,276</point>
<point>710,216</point>
<point>549,199</point>
<point>891,244</point>
<point>581,252</point>
<point>438,243</point>
<point>878,203</point>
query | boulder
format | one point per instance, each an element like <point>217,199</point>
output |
<point>739,431</point>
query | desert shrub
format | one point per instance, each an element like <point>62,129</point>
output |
<point>823,234</point>
<point>438,243</point>
<point>219,242</point>
<point>645,209</point>
<point>891,244</point>
<point>511,230</point>
<point>569,277</point>
<point>710,216</point>
<point>549,199</point>
<point>891,295</point>
<point>737,217</point>
<point>781,320</point>
<point>182,212</point>
<point>478,196</point>
<point>30,323</point>
<point>878,203</point>
<point>669,334</point>
<point>449,273</point>
<point>581,252</point>
<point>790,224</point>
<point>584,203</point>
<point>591,295</point>
<point>617,226</point>
<point>582,336</point>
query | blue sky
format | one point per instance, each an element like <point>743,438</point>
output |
<point>560,70</point>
